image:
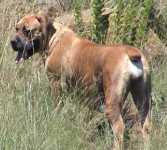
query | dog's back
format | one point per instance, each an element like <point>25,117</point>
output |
<point>85,59</point>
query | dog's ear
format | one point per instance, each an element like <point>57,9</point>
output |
<point>52,12</point>
<point>47,21</point>
<point>49,14</point>
<point>41,16</point>
<point>50,27</point>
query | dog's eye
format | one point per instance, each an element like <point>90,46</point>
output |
<point>17,29</point>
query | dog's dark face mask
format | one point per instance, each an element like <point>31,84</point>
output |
<point>28,38</point>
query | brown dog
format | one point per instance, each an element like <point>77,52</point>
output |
<point>116,69</point>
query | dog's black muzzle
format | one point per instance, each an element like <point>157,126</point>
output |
<point>24,48</point>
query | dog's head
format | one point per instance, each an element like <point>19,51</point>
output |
<point>31,36</point>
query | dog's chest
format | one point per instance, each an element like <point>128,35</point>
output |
<point>67,63</point>
<point>60,62</point>
<point>73,62</point>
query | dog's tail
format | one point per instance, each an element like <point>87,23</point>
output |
<point>136,62</point>
<point>134,54</point>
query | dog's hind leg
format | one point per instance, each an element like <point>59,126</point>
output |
<point>115,91</point>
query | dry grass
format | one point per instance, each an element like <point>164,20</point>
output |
<point>28,119</point>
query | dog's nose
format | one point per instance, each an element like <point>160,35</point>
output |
<point>17,44</point>
<point>13,42</point>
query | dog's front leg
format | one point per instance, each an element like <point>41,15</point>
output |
<point>55,85</point>
<point>54,82</point>
<point>63,82</point>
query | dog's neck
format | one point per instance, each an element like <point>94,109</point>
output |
<point>62,34</point>
<point>50,30</point>
<point>56,33</point>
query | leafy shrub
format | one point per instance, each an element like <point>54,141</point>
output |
<point>128,22</point>
<point>77,4</point>
<point>99,22</point>
<point>158,19</point>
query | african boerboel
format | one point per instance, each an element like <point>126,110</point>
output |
<point>118,69</point>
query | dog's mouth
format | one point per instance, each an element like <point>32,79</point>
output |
<point>26,51</point>
<point>22,56</point>
<point>19,57</point>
